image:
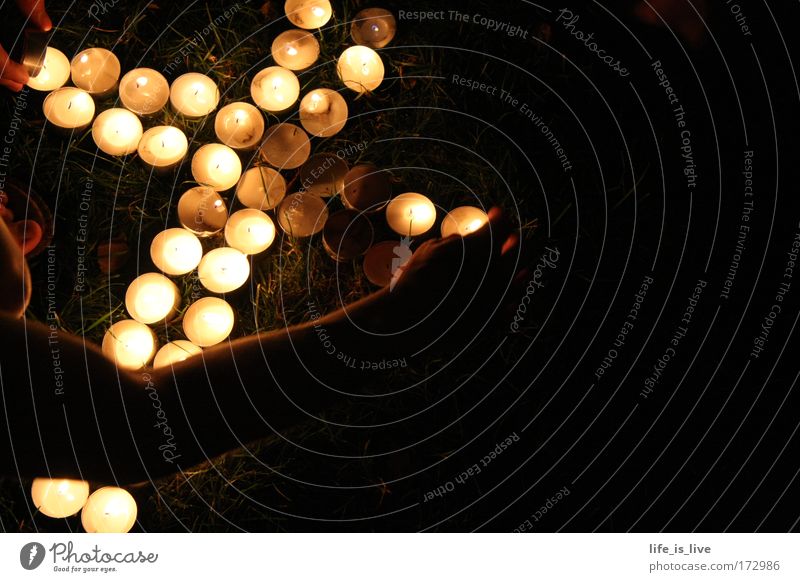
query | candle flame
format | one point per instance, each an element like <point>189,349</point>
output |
<point>291,51</point>
<point>318,11</point>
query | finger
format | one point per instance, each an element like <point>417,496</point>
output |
<point>12,85</point>
<point>11,71</point>
<point>511,243</point>
<point>38,15</point>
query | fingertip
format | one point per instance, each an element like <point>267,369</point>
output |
<point>11,85</point>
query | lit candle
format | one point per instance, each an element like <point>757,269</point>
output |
<point>217,166</point>
<point>59,498</point>
<point>463,221</point>
<point>175,352</point>
<point>410,214</point>
<point>109,510</point>
<point>308,13</point>
<point>323,112</point>
<point>194,95</point>
<point>239,125</point>
<point>261,188</point>
<point>347,234</point>
<point>130,344</point>
<point>163,147</point>
<point>250,231</point>
<point>202,211</point>
<point>385,261</point>
<point>176,251</point>
<point>117,132</point>
<point>223,270</point>
<point>295,49</point>
<point>54,73</point>
<point>144,91</point>
<point>95,70</point>
<point>302,215</point>
<point>366,188</point>
<point>152,298</point>
<point>286,146</point>
<point>373,27</point>
<point>69,108</point>
<point>275,89</point>
<point>323,175</point>
<point>208,321</point>
<point>360,68</point>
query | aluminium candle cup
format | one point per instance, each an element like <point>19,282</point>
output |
<point>216,166</point>
<point>34,49</point>
<point>59,498</point>
<point>285,146</point>
<point>69,109</point>
<point>360,68</point>
<point>117,132</point>
<point>347,235</point>
<point>202,211</point>
<point>275,89</point>
<point>385,260</point>
<point>295,49</point>
<point>463,220</point>
<point>239,126</point>
<point>261,188</point>
<point>323,112</point>
<point>96,71</point>
<point>373,27</point>
<point>410,214</point>
<point>54,73</point>
<point>250,231</point>
<point>174,352</point>
<point>130,344</point>
<point>109,510</point>
<point>144,91</point>
<point>152,298</point>
<point>194,95</point>
<point>323,175</point>
<point>302,215</point>
<point>208,321</point>
<point>367,188</point>
<point>308,14</point>
<point>176,251</point>
<point>163,147</point>
<point>223,270</point>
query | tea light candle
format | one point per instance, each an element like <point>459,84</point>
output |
<point>261,188</point>
<point>130,344</point>
<point>69,108</point>
<point>217,166</point>
<point>54,73</point>
<point>323,112</point>
<point>163,147</point>
<point>239,126</point>
<point>302,215</point>
<point>275,89</point>
<point>117,132</point>
<point>308,13</point>
<point>373,27</point>
<point>286,146</point>
<point>152,298</point>
<point>410,214</point>
<point>347,234</point>
<point>95,70</point>
<point>109,510</point>
<point>250,231</point>
<point>208,321</point>
<point>463,221</point>
<point>59,498</point>
<point>360,68</point>
<point>366,188</point>
<point>194,95</point>
<point>385,261</point>
<point>223,270</point>
<point>176,251</point>
<point>175,352</point>
<point>295,49</point>
<point>144,91</point>
<point>202,211</point>
<point>323,175</point>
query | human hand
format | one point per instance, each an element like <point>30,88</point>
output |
<point>12,74</point>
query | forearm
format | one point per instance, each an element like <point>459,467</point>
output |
<point>15,283</point>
